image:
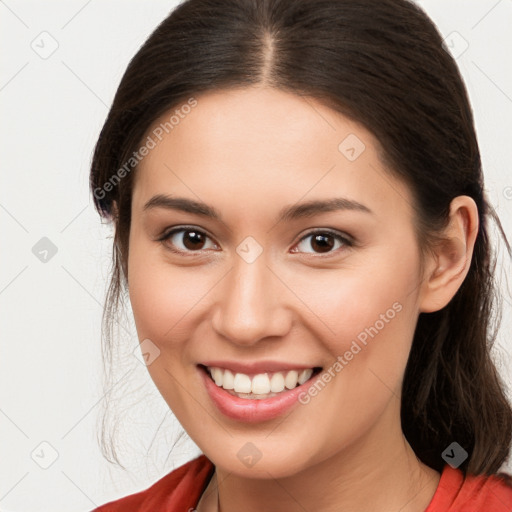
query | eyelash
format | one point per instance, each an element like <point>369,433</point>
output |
<point>344,239</point>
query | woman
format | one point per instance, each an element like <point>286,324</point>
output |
<point>301,224</point>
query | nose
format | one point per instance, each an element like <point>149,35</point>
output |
<point>251,304</point>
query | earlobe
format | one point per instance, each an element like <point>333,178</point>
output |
<point>451,258</point>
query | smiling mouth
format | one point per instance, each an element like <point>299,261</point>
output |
<point>262,385</point>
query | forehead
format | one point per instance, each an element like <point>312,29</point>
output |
<point>262,146</point>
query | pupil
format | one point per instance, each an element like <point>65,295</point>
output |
<point>195,239</point>
<point>325,245</point>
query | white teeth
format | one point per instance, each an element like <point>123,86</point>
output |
<point>290,381</point>
<point>242,383</point>
<point>260,384</point>
<point>229,380</point>
<point>217,375</point>
<point>277,383</point>
<point>304,375</point>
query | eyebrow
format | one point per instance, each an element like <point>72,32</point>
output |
<point>292,212</point>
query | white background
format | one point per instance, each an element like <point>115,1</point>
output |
<point>52,110</point>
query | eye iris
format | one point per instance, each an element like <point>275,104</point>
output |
<point>192,238</point>
<point>323,241</point>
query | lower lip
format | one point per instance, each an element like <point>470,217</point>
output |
<point>252,410</point>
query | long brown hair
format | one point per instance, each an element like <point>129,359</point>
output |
<point>383,64</point>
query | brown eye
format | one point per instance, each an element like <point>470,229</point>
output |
<point>323,242</point>
<point>184,240</point>
<point>193,240</point>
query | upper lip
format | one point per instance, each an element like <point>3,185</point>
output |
<point>256,367</point>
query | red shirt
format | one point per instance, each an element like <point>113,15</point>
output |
<point>180,491</point>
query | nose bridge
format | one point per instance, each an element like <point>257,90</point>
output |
<point>249,307</point>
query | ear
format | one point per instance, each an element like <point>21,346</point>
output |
<point>449,264</point>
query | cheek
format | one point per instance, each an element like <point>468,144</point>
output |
<point>164,297</point>
<point>365,316</point>
<point>164,300</point>
<point>353,300</point>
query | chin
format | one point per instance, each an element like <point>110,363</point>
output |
<point>260,459</point>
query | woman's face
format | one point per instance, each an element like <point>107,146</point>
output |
<point>256,292</point>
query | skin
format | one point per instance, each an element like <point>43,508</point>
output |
<point>250,152</point>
